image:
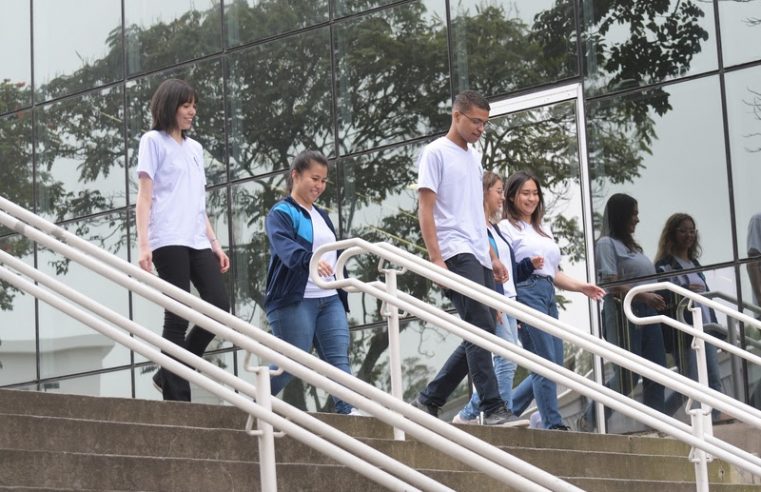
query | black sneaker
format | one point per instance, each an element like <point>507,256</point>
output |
<point>158,380</point>
<point>431,409</point>
<point>504,418</point>
<point>560,427</point>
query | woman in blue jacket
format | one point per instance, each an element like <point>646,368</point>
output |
<point>298,311</point>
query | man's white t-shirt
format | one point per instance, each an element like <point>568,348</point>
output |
<point>526,242</point>
<point>178,204</point>
<point>455,174</point>
<point>321,234</point>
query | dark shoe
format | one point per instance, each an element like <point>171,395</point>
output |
<point>158,380</point>
<point>504,418</point>
<point>560,427</point>
<point>431,409</point>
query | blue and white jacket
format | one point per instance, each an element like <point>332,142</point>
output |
<point>290,234</point>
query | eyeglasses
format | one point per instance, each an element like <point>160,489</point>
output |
<point>477,121</point>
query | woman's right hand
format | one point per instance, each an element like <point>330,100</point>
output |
<point>145,259</point>
<point>653,300</point>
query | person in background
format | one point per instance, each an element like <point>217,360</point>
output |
<point>450,212</point>
<point>298,311</point>
<point>507,327</point>
<point>620,257</point>
<point>754,250</point>
<point>173,231</point>
<point>526,232</point>
<point>679,250</point>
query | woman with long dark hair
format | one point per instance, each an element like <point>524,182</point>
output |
<point>173,231</point>
<point>529,236</point>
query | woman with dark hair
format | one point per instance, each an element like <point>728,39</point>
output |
<point>678,250</point>
<point>619,257</point>
<point>526,232</point>
<point>300,312</point>
<point>173,230</point>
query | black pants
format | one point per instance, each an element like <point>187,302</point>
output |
<point>180,265</point>
<point>468,358</point>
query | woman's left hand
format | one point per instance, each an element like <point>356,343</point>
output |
<point>224,261</point>
<point>593,292</point>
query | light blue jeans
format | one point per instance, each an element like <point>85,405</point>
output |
<point>539,293</point>
<point>507,329</point>
<point>320,322</point>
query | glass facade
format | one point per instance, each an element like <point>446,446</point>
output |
<point>671,116</point>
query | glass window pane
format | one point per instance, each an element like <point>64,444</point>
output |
<point>208,126</point>
<point>160,34</point>
<point>744,115</point>
<point>73,53</point>
<point>80,155</point>
<point>280,103</point>
<point>646,42</point>
<point>668,153</point>
<point>510,45</point>
<point>18,347</point>
<point>346,7</point>
<point>16,53</point>
<point>115,384</point>
<point>392,76</point>
<point>251,20</point>
<point>740,31</point>
<point>68,346</point>
<point>16,148</point>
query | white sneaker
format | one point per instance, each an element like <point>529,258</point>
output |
<point>356,412</point>
<point>459,420</point>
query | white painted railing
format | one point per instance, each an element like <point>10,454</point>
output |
<point>387,293</point>
<point>462,446</point>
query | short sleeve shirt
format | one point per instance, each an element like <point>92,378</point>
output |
<point>614,259</point>
<point>527,242</point>
<point>503,252</point>
<point>178,204</point>
<point>455,174</point>
<point>321,234</point>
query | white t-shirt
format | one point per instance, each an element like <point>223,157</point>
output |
<point>614,259</point>
<point>526,242</point>
<point>454,174</point>
<point>178,204</point>
<point>321,234</point>
<point>503,251</point>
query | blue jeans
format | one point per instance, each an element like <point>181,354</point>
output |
<point>676,400</point>
<point>507,329</point>
<point>319,322</point>
<point>468,358</point>
<point>539,293</point>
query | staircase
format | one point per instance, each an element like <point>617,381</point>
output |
<point>66,442</point>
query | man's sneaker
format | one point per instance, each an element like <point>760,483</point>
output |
<point>504,418</point>
<point>158,380</point>
<point>560,427</point>
<point>357,412</point>
<point>459,420</point>
<point>433,410</point>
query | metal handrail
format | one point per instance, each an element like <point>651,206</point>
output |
<point>534,363</point>
<point>685,302</point>
<point>462,446</point>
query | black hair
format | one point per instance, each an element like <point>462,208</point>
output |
<point>169,96</point>
<point>617,217</point>
<point>302,162</point>
<point>467,99</point>
<point>514,184</point>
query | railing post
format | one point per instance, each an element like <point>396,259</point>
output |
<point>702,425</point>
<point>391,313</point>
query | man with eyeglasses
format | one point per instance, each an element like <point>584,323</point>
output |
<point>451,216</point>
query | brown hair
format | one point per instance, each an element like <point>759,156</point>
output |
<point>667,241</point>
<point>169,96</point>
<point>514,183</point>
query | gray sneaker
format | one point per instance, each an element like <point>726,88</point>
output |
<point>504,418</point>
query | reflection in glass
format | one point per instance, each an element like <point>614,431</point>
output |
<point>751,336</point>
<point>208,126</point>
<point>510,45</point>
<point>18,348</point>
<point>740,30</point>
<point>91,55</point>
<point>392,75</point>
<point>637,146</point>
<point>346,7</point>
<point>66,345</point>
<point>251,20</point>
<point>115,384</point>
<point>16,143</point>
<point>16,53</point>
<point>80,155</point>
<point>280,103</point>
<point>251,201</point>
<point>642,43</point>
<point>160,34</point>
<point>379,203</point>
<point>744,116</point>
